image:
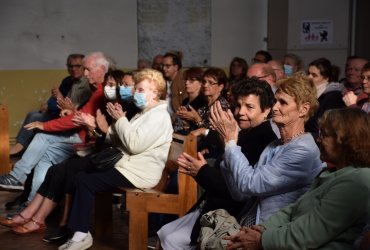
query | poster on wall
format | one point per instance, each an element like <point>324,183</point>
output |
<point>166,25</point>
<point>316,31</point>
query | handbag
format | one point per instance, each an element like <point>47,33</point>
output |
<point>215,225</point>
<point>104,159</point>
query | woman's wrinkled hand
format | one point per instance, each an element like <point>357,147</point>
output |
<point>84,119</point>
<point>246,238</point>
<point>188,114</point>
<point>224,123</point>
<point>190,165</point>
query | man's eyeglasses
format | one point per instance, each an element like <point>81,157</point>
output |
<point>72,66</point>
<point>264,76</point>
<point>166,66</point>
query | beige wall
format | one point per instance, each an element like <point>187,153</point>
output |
<point>24,91</point>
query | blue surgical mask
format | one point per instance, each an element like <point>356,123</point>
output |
<point>125,92</point>
<point>110,92</point>
<point>288,70</point>
<point>140,100</point>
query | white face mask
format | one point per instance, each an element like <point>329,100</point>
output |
<point>110,93</point>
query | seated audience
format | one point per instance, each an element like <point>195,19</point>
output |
<point>278,68</point>
<point>56,143</point>
<point>263,71</point>
<point>185,120</point>
<point>255,100</point>
<point>287,167</point>
<point>262,56</point>
<point>237,70</point>
<point>333,212</point>
<point>292,64</point>
<point>171,68</point>
<point>144,141</point>
<point>362,100</point>
<point>157,62</point>
<point>329,93</point>
<point>352,81</point>
<point>59,178</point>
<point>75,87</point>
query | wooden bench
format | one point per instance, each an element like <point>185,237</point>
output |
<point>4,140</point>
<point>141,202</point>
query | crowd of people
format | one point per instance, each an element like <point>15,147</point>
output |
<point>282,148</point>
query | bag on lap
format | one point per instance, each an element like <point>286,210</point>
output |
<point>214,226</point>
<point>104,159</point>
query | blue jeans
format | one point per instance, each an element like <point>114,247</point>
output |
<point>25,136</point>
<point>44,151</point>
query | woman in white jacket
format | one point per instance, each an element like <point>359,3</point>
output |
<point>144,141</point>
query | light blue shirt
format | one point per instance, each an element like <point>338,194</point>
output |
<point>282,174</point>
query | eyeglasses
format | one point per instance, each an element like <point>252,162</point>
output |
<point>367,78</point>
<point>260,77</point>
<point>166,65</point>
<point>72,66</point>
<point>211,83</point>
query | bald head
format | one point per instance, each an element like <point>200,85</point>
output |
<point>262,71</point>
<point>278,68</point>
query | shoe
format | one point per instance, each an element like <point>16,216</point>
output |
<point>81,245</point>
<point>18,201</point>
<point>7,181</point>
<point>21,229</point>
<point>61,233</point>
<point>10,223</point>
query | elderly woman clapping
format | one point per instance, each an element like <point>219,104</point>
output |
<point>332,213</point>
<point>287,167</point>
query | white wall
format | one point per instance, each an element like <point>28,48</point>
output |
<point>39,34</point>
<point>238,29</point>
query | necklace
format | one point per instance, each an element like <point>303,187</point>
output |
<point>292,137</point>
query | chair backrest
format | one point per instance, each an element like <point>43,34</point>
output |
<point>187,187</point>
<point>4,140</point>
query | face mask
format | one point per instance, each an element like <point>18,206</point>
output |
<point>110,92</point>
<point>288,69</point>
<point>125,92</point>
<point>140,100</point>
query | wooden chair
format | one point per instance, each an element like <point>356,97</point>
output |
<point>4,141</point>
<point>141,202</point>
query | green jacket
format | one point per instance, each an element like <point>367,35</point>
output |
<point>330,215</point>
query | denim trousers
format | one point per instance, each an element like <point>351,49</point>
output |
<point>25,136</point>
<point>44,151</point>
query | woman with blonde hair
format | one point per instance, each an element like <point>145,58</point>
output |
<point>144,142</point>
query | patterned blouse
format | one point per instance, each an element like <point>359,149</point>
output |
<point>205,112</point>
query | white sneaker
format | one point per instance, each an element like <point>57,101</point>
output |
<point>80,245</point>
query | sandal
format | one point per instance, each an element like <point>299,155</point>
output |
<point>21,229</point>
<point>11,223</point>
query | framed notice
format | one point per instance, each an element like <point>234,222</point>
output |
<point>316,32</point>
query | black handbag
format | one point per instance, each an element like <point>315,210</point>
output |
<point>104,159</point>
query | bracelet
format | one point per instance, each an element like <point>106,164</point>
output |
<point>97,133</point>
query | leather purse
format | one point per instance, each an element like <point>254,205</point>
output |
<point>104,159</point>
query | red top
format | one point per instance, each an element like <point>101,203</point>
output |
<point>64,123</point>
